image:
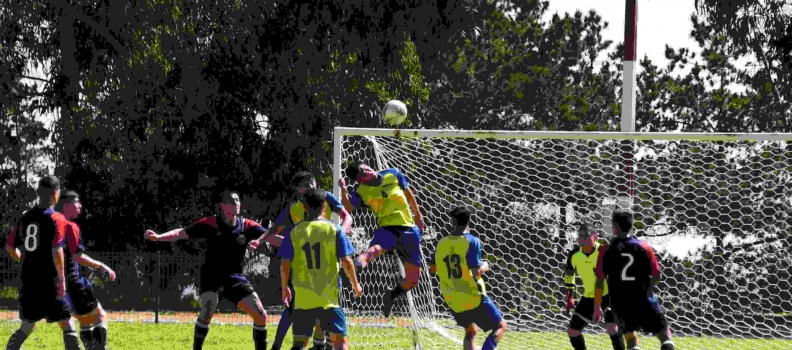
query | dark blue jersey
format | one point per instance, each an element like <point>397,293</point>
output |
<point>226,245</point>
<point>37,234</point>
<point>628,265</point>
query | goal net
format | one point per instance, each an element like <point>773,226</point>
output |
<point>716,208</point>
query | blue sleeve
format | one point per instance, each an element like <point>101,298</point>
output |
<point>474,252</point>
<point>403,183</point>
<point>286,250</point>
<point>344,247</point>
<point>355,199</point>
<point>283,216</point>
<point>334,203</point>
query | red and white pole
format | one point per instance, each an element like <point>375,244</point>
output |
<point>629,84</point>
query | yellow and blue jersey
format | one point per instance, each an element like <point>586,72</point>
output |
<point>387,200</point>
<point>314,249</point>
<point>295,212</point>
<point>584,266</point>
<point>455,257</point>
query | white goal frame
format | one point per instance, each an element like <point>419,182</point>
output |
<point>341,132</point>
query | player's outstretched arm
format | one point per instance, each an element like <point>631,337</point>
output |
<point>349,269</point>
<point>345,196</point>
<point>416,210</point>
<point>85,260</point>
<point>170,236</point>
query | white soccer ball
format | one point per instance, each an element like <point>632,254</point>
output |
<point>394,113</point>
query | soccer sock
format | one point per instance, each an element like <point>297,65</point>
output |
<point>17,339</point>
<point>667,345</point>
<point>491,343</point>
<point>201,330</point>
<point>618,341</point>
<point>319,342</point>
<point>100,336</point>
<point>468,343</point>
<point>283,329</point>
<point>70,340</point>
<point>86,335</point>
<point>578,343</point>
<point>396,292</point>
<point>260,337</point>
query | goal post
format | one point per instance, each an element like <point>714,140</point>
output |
<point>716,207</point>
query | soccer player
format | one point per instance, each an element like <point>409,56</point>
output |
<point>630,268</point>
<point>87,310</point>
<point>581,262</point>
<point>40,233</point>
<point>310,263</point>
<point>388,195</point>
<point>227,236</point>
<point>459,271</point>
<point>293,215</point>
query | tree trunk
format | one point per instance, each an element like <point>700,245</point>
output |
<point>70,76</point>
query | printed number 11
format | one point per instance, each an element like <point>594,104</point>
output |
<point>312,263</point>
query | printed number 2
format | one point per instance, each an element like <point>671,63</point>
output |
<point>313,263</point>
<point>624,276</point>
<point>453,265</point>
<point>31,237</point>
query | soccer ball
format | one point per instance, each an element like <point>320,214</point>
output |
<point>394,112</point>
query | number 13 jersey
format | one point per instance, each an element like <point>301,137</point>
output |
<point>456,256</point>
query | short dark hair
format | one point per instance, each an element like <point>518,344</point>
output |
<point>302,177</point>
<point>622,219</point>
<point>585,227</point>
<point>66,197</point>
<point>220,196</point>
<point>462,215</point>
<point>47,185</point>
<point>314,198</point>
<point>353,170</point>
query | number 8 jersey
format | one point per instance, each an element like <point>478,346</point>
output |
<point>455,257</point>
<point>38,232</point>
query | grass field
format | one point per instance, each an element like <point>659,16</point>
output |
<point>132,333</point>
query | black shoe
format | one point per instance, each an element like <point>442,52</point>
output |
<point>387,304</point>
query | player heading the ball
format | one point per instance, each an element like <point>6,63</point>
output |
<point>388,195</point>
<point>41,233</point>
<point>87,310</point>
<point>630,268</point>
<point>458,265</point>
<point>310,255</point>
<point>228,235</point>
<point>291,216</point>
<point>581,262</point>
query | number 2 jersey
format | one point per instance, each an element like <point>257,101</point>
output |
<point>628,265</point>
<point>38,233</point>
<point>456,257</point>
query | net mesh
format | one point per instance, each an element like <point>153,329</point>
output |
<point>717,212</point>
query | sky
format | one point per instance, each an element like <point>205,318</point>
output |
<point>660,22</point>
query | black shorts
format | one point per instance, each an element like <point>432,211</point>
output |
<point>232,287</point>
<point>584,313</point>
<point>82,297</point>
<point>35,305</point>
<point>644,314</point>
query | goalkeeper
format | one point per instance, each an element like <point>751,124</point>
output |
<point>582,261</point>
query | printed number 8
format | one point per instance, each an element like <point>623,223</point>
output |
<point>624,276</point>
<point>31,237</point>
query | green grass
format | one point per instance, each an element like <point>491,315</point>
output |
<point>129,336</point>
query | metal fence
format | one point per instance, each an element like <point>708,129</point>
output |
<point>162,283</point>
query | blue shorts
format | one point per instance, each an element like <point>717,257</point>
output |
<point>486,316</point>
<point>232,287</point>
<point>331,320</point>
<point>81,295</point>
<point>406,241</point>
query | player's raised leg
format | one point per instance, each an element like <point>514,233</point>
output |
<point>399,218</point>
